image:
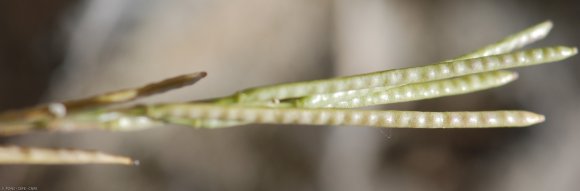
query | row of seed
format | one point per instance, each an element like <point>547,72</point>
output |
<point>411,92</point>
<point>410,75</point>
<point>512,42</point>
<point>403,119</point>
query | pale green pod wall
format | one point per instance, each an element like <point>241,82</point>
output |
<point>513,42</point>
<point>411,92</point>
<point>409,75</point>
<point>391,119</point>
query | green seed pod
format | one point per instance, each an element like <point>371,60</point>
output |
<point>513,42</point>
<point>411,92</point>
<point>389,119</point>
<point>391,78</point>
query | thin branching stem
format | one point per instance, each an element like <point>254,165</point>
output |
<point>319,102</point>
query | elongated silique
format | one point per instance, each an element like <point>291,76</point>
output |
<point>411,92</point>
<point>399,77</point>
<point>390,119</point>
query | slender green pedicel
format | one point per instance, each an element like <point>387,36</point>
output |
<point>389,119</point>
<point>411,92</point>
<point>392,78</point>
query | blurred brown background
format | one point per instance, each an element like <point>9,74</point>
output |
<point>62,49</point>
